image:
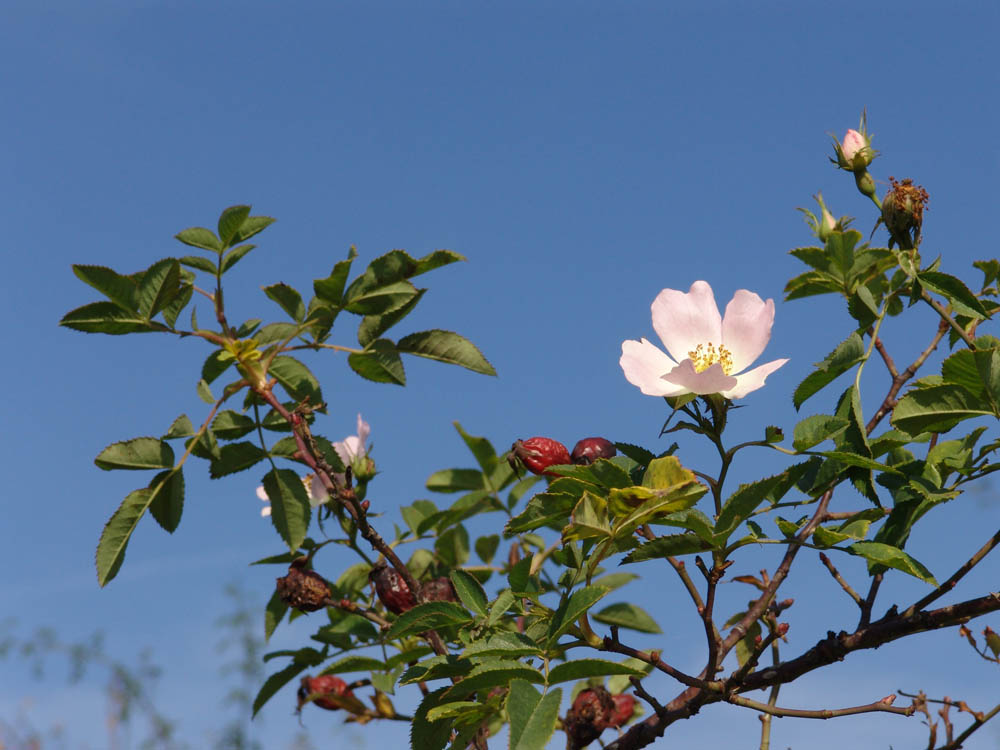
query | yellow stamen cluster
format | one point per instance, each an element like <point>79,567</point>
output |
<point>706,355</point>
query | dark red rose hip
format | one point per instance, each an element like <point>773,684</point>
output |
<point>439,590</point>
<point>624,708</point>
<point>592,712</point>
<point>331,692</point>
<point>391,589</point>
<point>303,589</point>
<point>590,449</point>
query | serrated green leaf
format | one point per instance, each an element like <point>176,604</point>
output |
<point>355,663</point>
<point>627,616</point>
<point>296,379</point>
<point>160,284</point>
<point>168,498</point>
<point>469,590</point>
<point>427,735</point>
<point>378,299</point>
<point>486,547</point>
<point>373,326</point>
<point>234,256</point>
<point>936,409</point>
<point>814,430</point>
<point>847,354</point>
<point>532,715</point>
<point>481,448</point>
<point>668,546</point>
<point>199,237</point>
<point>274,612</point>
<point>544,509</point>
<point>490,675</point>
<point>119,289</point>
<point>566,616</point>
<point>236,457</point>
<point>446,346</point>
<point>427,616</point>
<point>331,289</point>
<point>290,511</point>
<point>135,454</point>
<point>199,263</point>
<point>230,425</point>
<point>581,669</point>
<point>180,428</point>
<point>379,363</point>
<point>117,532</point>
<point>892,557</point>
<point>962,300</point>
<point>204,392</point>
<point>252,225</point>
<point>230,222</point>
<point>274,683</point>
<point>108,318</point>
<point>693,519</point>
<point>455,480</point>
<point>288,299</point>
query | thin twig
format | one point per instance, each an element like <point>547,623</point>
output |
<point>869,602</point>
<point>840,579</point>
<point>955,577</point>
<point>612,643</point>
<point>884,705</point>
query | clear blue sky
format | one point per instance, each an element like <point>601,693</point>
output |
<point>582,155</point>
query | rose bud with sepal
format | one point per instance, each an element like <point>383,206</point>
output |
<point>538,454</point>
<point>590,449</point>
<point>303,589</point>
<point>590,714</point>
<point>391,589</point>
<point>330,692</point>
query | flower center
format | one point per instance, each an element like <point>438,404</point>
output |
<point>705,355</point>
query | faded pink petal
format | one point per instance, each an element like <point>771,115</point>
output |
<point>353,446</point>
<point>752,380</point>
<point>644,366</point>
<point>683,321</point>
<point>746,329</point>
<point>853,142</point>
<point>712,380</point>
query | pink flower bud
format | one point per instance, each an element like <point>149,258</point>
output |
<point>853,142</point>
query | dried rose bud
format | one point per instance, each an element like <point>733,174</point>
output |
<point>903,212</point>
<point>624,708</point>
<point>302,589</point>
<point>539,453</point>
<point>326,691</point>
<point>591,713</point>
<point>590,449</point>
<point>391,589</point>
<point>439,590</point>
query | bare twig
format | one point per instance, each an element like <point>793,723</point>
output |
<point>840,579</point>
<point>884,705</point>
<point>955,577</point>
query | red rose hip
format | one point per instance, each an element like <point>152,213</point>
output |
<point>590,449</point>
<point>391,589</point>
<point>539,453</point>
<point>327,692</point>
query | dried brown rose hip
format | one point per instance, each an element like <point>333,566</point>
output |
<point>624,708</point>
<point>590,449</point>
<point>330,692</point>
<point>391,589</point>
<point>303,589</point>
<point>439,590</point>
<point>539,453</point>
<point>591,713</point>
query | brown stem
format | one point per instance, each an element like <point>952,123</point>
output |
<point>840,579</point>
<point>869,602</point>
<point>884,705</point>
<point>611,643</point>
<point>955,577</point>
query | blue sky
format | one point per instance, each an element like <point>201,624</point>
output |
<point>582,156</point>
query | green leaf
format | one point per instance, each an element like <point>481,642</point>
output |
<point>138,453</point>
<point>668,546</point>
<point>581,669</point>
<point>288,299</point>
<point>275,332</point>
<point>470,591</point>
<point>230,222</point>
<point>544,509</point>
<point>532,715</point>
<point>427,616</point>
<point>428,735</point>
<point>180,428</point>
<point>215,364</point>
<point>199,237</point>
<point>204,392</point>
<point>109,318</point>
<point>168,498</point>
<point>236,457</point>
<point>486,547</point>
<point>379,363</point>
<point>296,379</point>
<point>640,455</point>
<point>963,301</point>
<point>117,531</point>
<point>178,303</point>
<point>274,612</point>
<point>480,447</point>
<point>199,263</point>
<point>252,225</point>
<point>847,354</point>
<point>814,430</point>
<point>160,284</point>
<point>274,683</point>
<point>119,289</point>
<point>445,346</point>
<point>290,511</point>
<point>455,480</point>
<point>230,425</point>
<point>892,557</point>
<point>380,299</point>
<point>234,256</point>
<point>331,289</point>
<point>355,663</point>
<point>569,612</point>
<point>692,519</point>
<point>373,326</point>
<point>627,616</point>
<point>936,408</point>
<point>493,674</point>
